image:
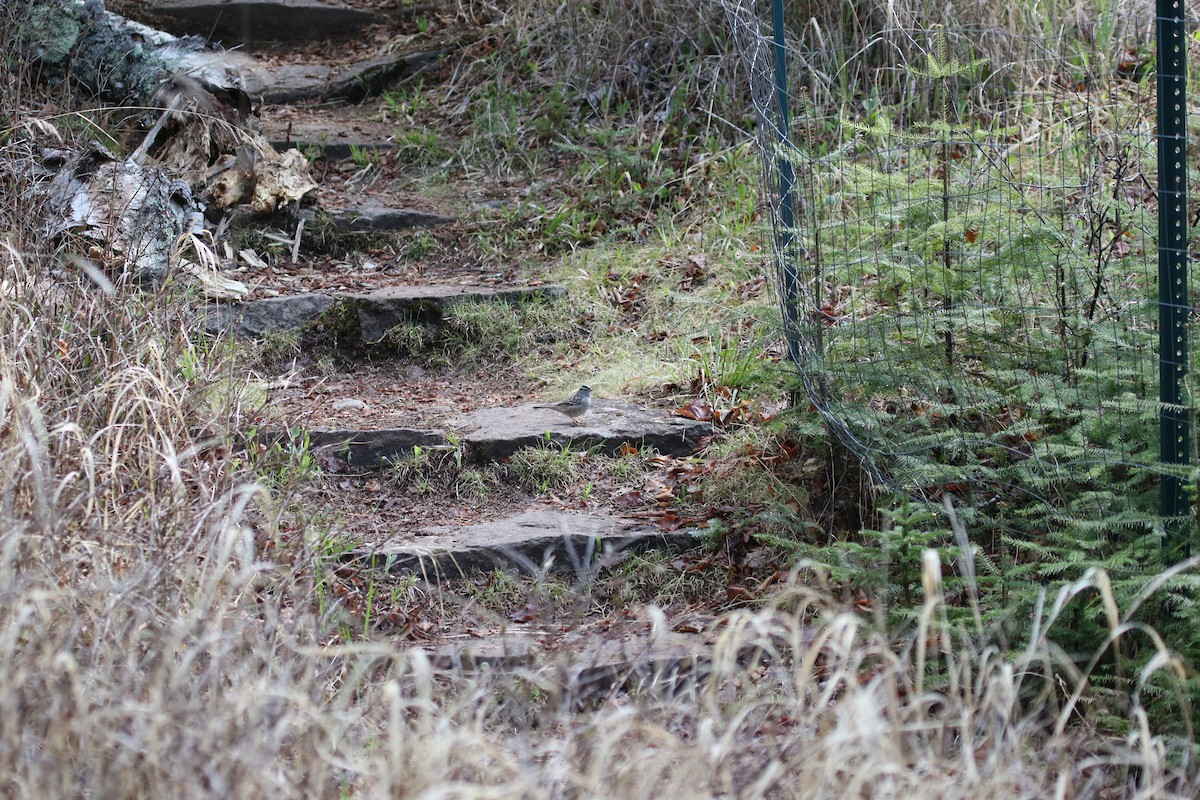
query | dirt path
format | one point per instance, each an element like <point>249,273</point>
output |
<point>409,480</point>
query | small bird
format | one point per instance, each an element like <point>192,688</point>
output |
<point>574,408</point>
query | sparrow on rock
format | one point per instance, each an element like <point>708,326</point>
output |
<point>574,408</point>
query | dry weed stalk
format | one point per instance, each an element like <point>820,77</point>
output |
<point>160,636</point>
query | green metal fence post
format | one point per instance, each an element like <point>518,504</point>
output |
<point>1174,429</point>
<point>787,190</point>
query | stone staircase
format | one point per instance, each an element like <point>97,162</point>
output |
<point>344,427</point>
<point>371,314</point>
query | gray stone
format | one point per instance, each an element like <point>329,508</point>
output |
<point>349,404</point>
<point>264,317</point>
<point>377,312</point>
<point>370,78</point>
<point>379,219</point>
<point>384,309</point>
<point>534,540</point>
<point>496,433</point>
<point>234,22</point>
<point>334,151</point>
<point>295,83</point>
<point>502,652</point>
<point>242,217</point>
<point>660,662</point>
<point>360,448</point>
<point>583,664</point>
<point>287,83</point>
<point>367,219</point>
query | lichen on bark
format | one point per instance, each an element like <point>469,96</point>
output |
<point>110,57</point>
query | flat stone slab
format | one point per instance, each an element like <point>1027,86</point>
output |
<point>364,219</point>
<point>506,651</point>
<point>376,313</point>
<point>240,21</point>
<point>496,433</point>
<point>371,448</point>
<point>358,448</point>
<point>384,309</point>
<point>295,83</point>
<point>374,77</point>
<point>381,219</point>
<point>336,146</point>
<point>271,315</point>
<point>585,663</point>
<point>287,83</point>
<point>530,541</point>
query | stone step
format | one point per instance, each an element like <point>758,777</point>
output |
<point>533,541</point>
<point>332,132</point>
<point>384,309</point>
<point>281,84</point>
<point>381,219</point>
<point>494,434</point>
<point>373,313</point>
<point>584,664</point>
<point>336,146</point>
<point>355,219</point>
<point>268,316</point>
<point>260,21</point>
<point>297,83</point>
<point>374,448</point>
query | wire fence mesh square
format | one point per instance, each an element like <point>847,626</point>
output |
<point>969,285</point>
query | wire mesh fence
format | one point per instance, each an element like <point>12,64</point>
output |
<point>968,264</point>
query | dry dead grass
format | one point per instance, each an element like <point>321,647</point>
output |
<point>159,638</point>
<point>162,636</point>
<point>676,57</point>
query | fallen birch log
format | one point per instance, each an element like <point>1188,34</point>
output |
<point>199,154</point>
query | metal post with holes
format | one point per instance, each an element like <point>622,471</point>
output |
<point>1174,428</point>
<point>789,291</point>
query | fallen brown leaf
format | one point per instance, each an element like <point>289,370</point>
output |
<point>699,411</point>
<point>526,613</point>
